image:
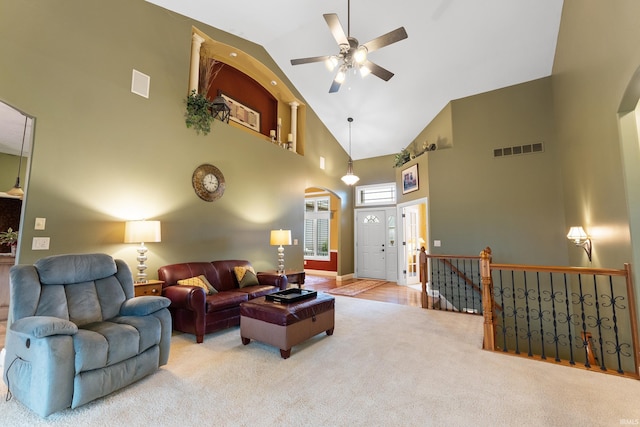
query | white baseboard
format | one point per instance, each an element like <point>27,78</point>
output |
<point>321,272</point>
<point>329,274</point>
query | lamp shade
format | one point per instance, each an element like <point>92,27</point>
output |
<point>577,234</point>
<point>280,237</point>
<point>142,231</point>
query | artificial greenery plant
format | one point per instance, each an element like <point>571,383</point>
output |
<point>198,114</point>
<point>8,237</point>
<point>401,158</point>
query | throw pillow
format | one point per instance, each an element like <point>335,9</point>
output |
<point>200,282</point>
<point>246,276</point>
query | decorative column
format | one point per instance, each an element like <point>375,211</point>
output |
<point>294,124</point>
<point>194,71</point>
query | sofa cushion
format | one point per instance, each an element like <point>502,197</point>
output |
<point>148,328</point>
<point>224,300</point>
<point>125,339</point>
<point>199,281</point>
<point>256,291</point>
<point>246,276</point>
<point>226,273</point>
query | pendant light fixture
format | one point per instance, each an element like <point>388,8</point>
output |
<point>350,178</point>
<point>17,190</point>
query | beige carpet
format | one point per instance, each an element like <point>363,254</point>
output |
<point>385,365</point>
<point>356,288</point>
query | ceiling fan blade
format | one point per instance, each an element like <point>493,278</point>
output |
<point>335,86</point>
<point>336,28</point>
<point>386,39</point>
<point>378,71</point>
<point>309,60</point>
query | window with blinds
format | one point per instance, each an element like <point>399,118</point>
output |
<point>317,215</point>
<point>376,195</point>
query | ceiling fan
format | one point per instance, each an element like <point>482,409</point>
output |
<point>353,56</point>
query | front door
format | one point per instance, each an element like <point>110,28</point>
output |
<point>371,244</point>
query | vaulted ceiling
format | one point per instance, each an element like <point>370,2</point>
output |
<point>454,49</point>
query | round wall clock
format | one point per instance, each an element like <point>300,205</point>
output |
<point>208,182</point>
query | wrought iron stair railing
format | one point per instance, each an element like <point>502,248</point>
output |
<point>574,316</point>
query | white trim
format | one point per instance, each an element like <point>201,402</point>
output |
<point>402,280</point>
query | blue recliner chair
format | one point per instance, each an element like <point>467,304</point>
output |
<point>76,332</point>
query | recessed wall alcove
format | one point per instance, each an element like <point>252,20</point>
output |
<point>251,83</point>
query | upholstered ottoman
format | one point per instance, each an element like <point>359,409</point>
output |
<point>285,325</point>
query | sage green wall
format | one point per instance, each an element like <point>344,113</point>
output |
<point>374,170</point>
<point>9,170</point>
<point>596,57</point>
<point>512,204</point>
<point>103,155</point>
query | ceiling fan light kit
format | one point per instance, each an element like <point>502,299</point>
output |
<point>352,55</point>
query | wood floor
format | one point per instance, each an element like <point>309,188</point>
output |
<point>390,292</point>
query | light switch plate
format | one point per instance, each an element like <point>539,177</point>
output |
<point>40,243</point>
<point>437,243</point>
<point>40,223</point>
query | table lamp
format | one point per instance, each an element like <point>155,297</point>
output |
<point>140,232</point>
<point>280,237</point>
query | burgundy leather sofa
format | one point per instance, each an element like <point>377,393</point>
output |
<point>195,312</point>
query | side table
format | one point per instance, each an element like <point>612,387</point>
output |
<point>151,287</point>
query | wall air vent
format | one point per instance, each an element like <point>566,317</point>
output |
<point>537,147</point>
<point>140,83</point>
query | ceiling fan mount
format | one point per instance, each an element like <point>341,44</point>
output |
<point>352,55</point>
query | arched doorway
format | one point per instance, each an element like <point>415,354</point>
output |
<point>321,231</point>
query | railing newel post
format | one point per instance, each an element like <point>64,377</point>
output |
<point>487,300</point>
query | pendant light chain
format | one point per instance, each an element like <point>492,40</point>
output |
<point>350,178</point>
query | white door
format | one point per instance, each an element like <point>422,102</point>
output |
<point>370,248</point>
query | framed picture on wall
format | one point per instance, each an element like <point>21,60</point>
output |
<point>242,114</point>
<point>410,179</point>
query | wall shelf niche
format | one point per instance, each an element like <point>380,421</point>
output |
<point>253,85</point>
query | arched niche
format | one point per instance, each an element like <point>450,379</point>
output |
<point>252,84</point>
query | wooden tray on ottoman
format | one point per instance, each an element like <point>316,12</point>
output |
<point>291,295</point>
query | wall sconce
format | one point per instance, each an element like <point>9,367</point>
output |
<point>580,238</point>
<point>140,232</point>
<point>220,109</point>
<point>280,237</point>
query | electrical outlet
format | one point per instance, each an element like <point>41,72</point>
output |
<point>295,242</point>
<point>40,223</point>
<point>40,244</point>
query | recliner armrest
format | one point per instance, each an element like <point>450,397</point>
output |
<point>43,326</point>
<point>144,305</point>
<point>273,280</point>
